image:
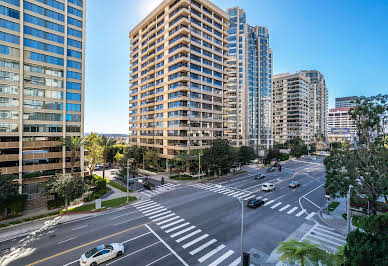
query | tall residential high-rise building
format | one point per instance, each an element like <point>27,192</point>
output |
<point>340,125</point>
<point>291,108</point>
<point>345,102</point>
<point>249,86</point>
<point>318,104</point>
<point>42,55</point>
<point>177,64</point>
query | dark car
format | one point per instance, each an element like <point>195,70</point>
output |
<point>254,203</point>
<point>294,184</point>
<point>259,176</point>
<point>148,185</point>
<point>271,169</point>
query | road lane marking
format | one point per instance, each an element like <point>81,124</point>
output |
<point>211,253</point>
<point>247,198</point>
<point>160,214</point>
<point>195,251</point>
<point>275,205</point>
<point>183,231</point>
<point>79,227</point>
<point>161,210</point>
<point>285,207</point>
<point>239,194</point>
<point>300,213</point>
<point>188,235</point>
<point>163,217</point>
<point>167,246</point>
<point>292,210</point>
<point>153,209</point>
<point>71,263</point>
<point>123,222</point>
<point>86,244</point>
<point>144,207</point>
<point>268,202</point>
<point>66,240</point>
<point>263,199</point>
<point>195,241</point>
<point>123,257</point>
<point>141,202</point>
<point>312,202</point>
<point>171,224</point>
<point>308,217</point>
<point>129,240</point>
<point>236,262</point>
<point>168,220</point>
<point>158,259</point>
<point>222,258</point>
<point>122,215</point>
<point>177,227</point>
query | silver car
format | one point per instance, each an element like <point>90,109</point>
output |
<point>101,254</point>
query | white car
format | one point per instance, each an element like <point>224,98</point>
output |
<point>101,254</point>
<point>267,187</point>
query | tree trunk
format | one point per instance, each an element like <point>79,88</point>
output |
<point>301,261</point>
<point>72,162</point>
<point>103,168</point>
<point>66,204</point>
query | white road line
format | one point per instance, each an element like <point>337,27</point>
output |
<point>285,207</point>
<point>195,251</point>
<point>247,198</point>
<point>145,194</point>
<point>153,209</point>
<point>168,220</point>
<point>160,214</point>
<point>158,259</point>
<point>123,222</point>
<point>163,217</point>
<point>71,263</point>
<point>122,257</point>
<point>236,262</point>
<point>211,253</point>
<point>143,207</point>
<point>222,258</point>
<point>141,202</point>
<point>129,240</point>
<point>239,194</point>
<point>268,202</point>
<point>167,246</point>
<point>79,227</point>
<point>183,231</point>
<point>300,213</point>
<point>66,240</point>
<point>195,241</point>
<point>177,227</point>
<point>264,199</point>
<point>312,202</point>
<point>171,224</point>
<point>161,210</point>
<point>275,205</point>
<point>292,210</point>
<point>122,215</point>
<point>228,191</point>
<point>308,217</point>
<point>260,198</point>
<point>189,235</point>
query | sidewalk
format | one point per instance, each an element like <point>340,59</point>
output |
<point>335,219</point>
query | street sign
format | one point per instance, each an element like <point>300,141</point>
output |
<point>261,153</point>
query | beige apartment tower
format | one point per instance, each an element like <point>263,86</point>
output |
<point>42,56</point>
<point>177,64</point>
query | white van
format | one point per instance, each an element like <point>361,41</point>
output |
<point>267,187</point>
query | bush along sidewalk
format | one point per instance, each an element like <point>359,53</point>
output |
<point>105,204</point>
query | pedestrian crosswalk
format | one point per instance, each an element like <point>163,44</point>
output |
<point>205,249</point>
<point>246,195</point>
<point>326,237</point>
<point>159,189</point>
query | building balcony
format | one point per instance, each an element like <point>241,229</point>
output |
<point>9,145</point>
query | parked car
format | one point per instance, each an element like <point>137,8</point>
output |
<point>101,254</point>
<point>259,176</point>
<point>148,185</point>
<point>254,203</point>
<point>271,169</point>
<point>98,167</point>
<point>294,184</point>
<point>268,187</point>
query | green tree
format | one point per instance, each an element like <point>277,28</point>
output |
<point>376,224</point>
<point>106,143</point>
<point>220,156</point>
<point>94,155</point>
<point>245,154</point>
<point>181,162</point>
<point>303,252</point>
<point>119,157</point>
<point>7,187</point>
<point>297,147</point>
<point>67,187</point>
<point>151,159</point>
<point>74,144</point>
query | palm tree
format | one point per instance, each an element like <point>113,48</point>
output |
<point>106,144</point>
<point>303,252</point>
<point>74,144</point>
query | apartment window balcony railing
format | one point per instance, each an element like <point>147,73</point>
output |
<point>177,47</point>
<point>177,38</point>
<point>177,19</point>
<point>176,29</point>
<point>177,85</point>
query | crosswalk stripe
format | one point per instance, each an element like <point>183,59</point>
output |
<point>148,206</point>
<point>300,213</point>
<point>329,232</point>
<point>292,210</point>
<point>163,217</point>
<point>236,262</point>
<point>222,258</point>
<point>183,231</point>
<point>260,198</point>
<point>247,198</point>
<point>325,240</point>
<point>335,239</point>
<point>142,202</point>
<point>285,207</point>
<point>265,199</point>
<point>308,217</point>
<point>211,253</point>
<point>231,193</point>
<point>151,210</point>
<point>189,235</point>
<point>268,202</point>
<point>171,224</point>
<point>195,251</point>
<point>168,220</point>
<point>275,205</point>
<point>323,245</point>
<point>228,191</point>
<point>195,241</point>
<point>239,194</point>
<point>177,227</point>
<point>157,211</point>
<point>160,214</point>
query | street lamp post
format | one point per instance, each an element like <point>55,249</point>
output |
<point>348,218</point>
<point>199,167</point>
<point>242,229</point>
<point>128,181</point>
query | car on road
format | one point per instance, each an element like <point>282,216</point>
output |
<point>259,176</point>
<point>148,185</point>
<point>271,169</point>
<point>267,187</point>
<point>294,184</point>
<point>254,203</point>
<point>101,254</point>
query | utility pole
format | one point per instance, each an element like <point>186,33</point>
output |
<point>143,161</point>
<point>128,181</point>
<point>348,218</point>
<point>242,229</point>
<point>199,167</point>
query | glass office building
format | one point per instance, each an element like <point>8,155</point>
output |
<point>42,52</point>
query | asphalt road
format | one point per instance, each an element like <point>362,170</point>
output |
<point>186,225</point>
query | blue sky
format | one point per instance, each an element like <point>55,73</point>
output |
<point>346,40</point>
